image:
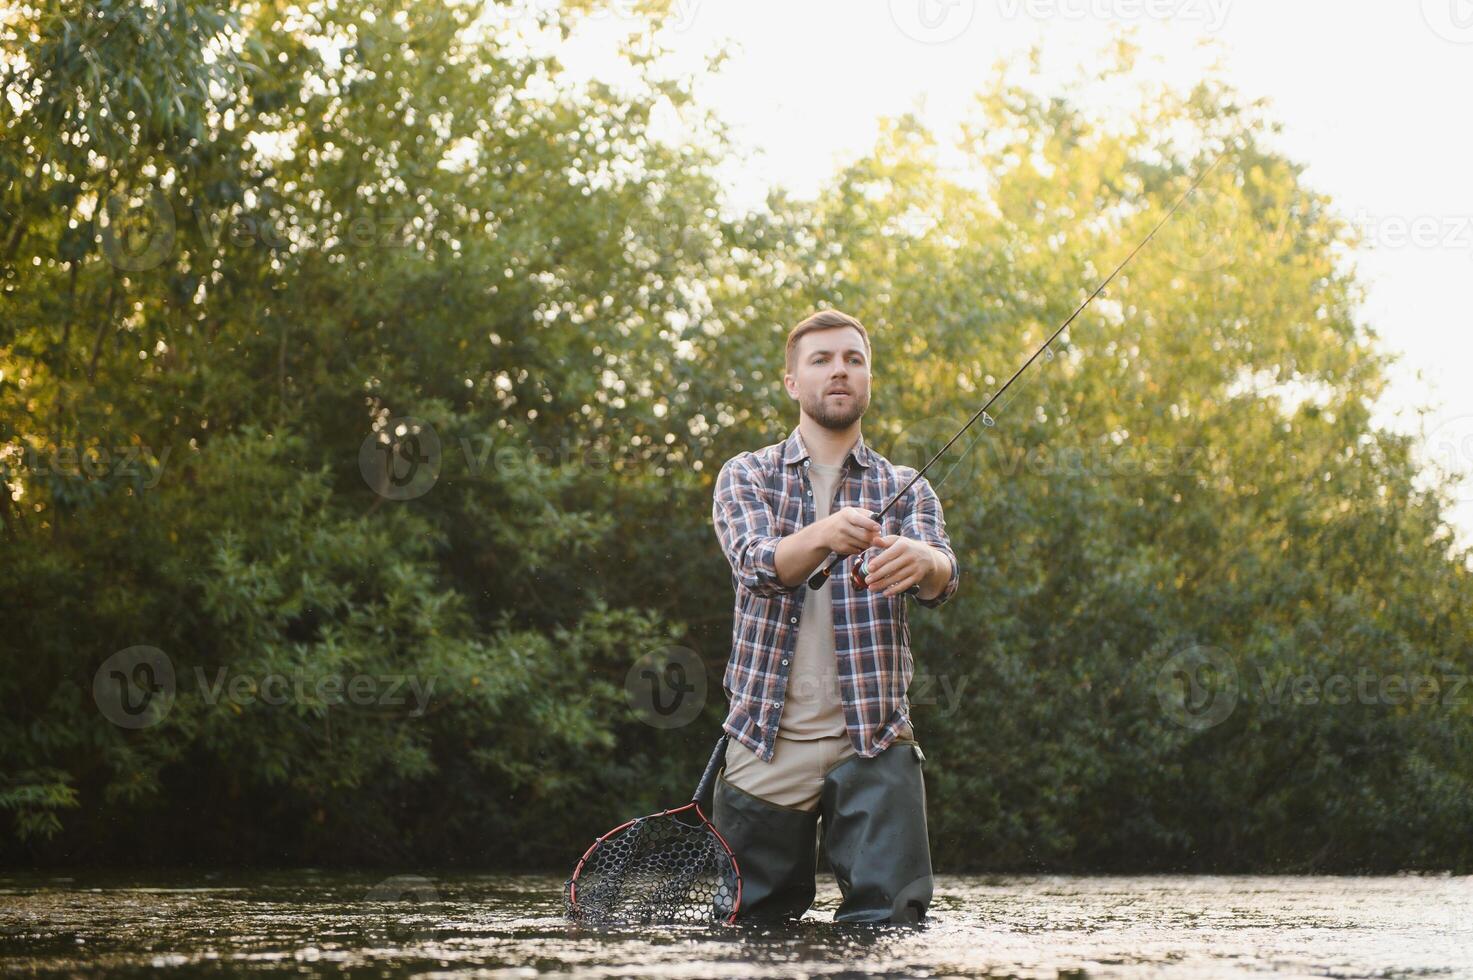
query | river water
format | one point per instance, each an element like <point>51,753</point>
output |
<point>310,923</point>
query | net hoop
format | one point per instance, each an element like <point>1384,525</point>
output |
<point>572,889</point>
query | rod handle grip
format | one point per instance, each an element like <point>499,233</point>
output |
<point>817,579</point>
<point>708,778</point>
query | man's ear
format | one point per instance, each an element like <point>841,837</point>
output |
<point>790,386</point>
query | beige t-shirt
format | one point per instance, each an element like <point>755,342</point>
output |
<point>812,706</point>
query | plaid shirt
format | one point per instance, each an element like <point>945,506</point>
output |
<point>759,498</point>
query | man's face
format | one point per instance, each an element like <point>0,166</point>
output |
<point>830,376</point>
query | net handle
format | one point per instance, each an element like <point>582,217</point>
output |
<point>718,756</point>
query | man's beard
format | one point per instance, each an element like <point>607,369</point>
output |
<point>835,417</point>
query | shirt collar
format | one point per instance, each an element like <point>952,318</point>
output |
<point>795,450</point>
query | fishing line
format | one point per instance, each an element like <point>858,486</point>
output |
<point>819,577</point>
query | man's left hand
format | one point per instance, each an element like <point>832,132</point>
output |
<point>903,563</point>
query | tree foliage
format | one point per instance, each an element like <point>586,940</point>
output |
<point>238,241</point>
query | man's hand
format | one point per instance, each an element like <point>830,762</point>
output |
<point>850,531</point>
<point>906,562</point>
<point>846,532</point>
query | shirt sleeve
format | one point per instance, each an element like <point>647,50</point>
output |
<point>924,522</point>
<point>744,526</point>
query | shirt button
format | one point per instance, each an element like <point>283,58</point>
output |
<point>810,493</point>
<point>785,663</point>
<point>793,620</point>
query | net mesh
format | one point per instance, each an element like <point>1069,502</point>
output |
<point>658,869</point>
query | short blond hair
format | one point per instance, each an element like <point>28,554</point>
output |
<point>824,320</point>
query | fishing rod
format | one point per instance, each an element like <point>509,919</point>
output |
<point>817,580</point>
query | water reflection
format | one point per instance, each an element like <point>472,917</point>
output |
<point>418,924</point>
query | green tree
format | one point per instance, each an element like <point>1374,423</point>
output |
<point>248,249</point>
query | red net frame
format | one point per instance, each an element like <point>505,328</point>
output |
<point>660,868</point>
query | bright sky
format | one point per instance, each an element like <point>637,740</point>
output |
<point>1374,97</point>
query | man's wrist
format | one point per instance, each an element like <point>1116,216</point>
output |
<point>800,553</point>
<point>820,531</point>
<point>935,581</point>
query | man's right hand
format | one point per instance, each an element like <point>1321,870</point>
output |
<point>850,531</point>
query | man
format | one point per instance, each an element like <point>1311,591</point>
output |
<point>819,722</point>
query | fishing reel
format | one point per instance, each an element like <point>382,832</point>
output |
<point>859,571</point>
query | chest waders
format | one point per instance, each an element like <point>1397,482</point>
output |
<point>871,818</point>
